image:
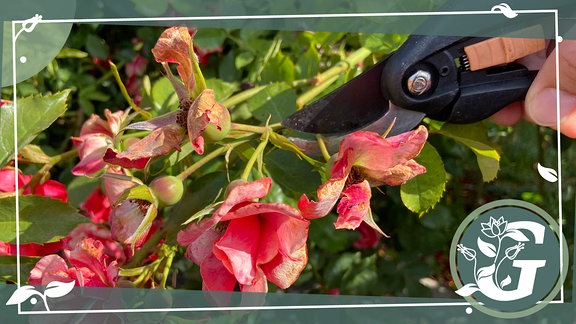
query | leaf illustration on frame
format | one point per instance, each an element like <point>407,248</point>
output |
<point>467,290</point>
<point>548,174</point>
<point>57,289</point>
<point>488,249</point>
<point>516,235</point>
<point>486,271</point>
<point>22,294</point>
<point>505,282</point>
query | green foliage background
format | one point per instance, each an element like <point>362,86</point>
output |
<point>274,70</point>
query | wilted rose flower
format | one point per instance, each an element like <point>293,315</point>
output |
<point>174,46</point>
<point>161,141</point>
<point>96,136</point>
<point>115,186</point>
<point>494,228</point>
<point>365,159</point>
<point>248,243</point>
<point>204,111</point>
<point>127,217</point>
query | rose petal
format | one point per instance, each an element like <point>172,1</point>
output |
<point>353,206</point>
<point>238,248</point>
<point>49,268</point>
<point>284,271</point>
<point>260,285</point>
<point>173,46</point>
<point>215,276</point>
<point>328,194</point>
<point>199,247</point>
<point>396,175</point>
<point>243,193</point>
<point>160,142</point>
<point>203,111</point>
<point>288,228</point>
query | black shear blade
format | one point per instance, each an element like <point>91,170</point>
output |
<point>354,105</point>
<point>395,121</point>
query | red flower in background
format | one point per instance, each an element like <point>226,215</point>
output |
<point>365,159</point>
<point>97,206</point>
<point>31,249</point>
<point>369,237</point>
<point>247,242</point>
<point>49,188</point>
<point>134,71</point>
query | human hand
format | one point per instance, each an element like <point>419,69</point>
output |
<point>539,106</point>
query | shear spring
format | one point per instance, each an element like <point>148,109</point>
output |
<point>464,63</point>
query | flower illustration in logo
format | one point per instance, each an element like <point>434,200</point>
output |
<point>488,279</point>
<point>494,228</point>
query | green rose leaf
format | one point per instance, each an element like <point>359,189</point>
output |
<point>35,114</point>
<point>423,191</point>
<point>276,100</point>
<point>474,136</point>
<point>42,219</point>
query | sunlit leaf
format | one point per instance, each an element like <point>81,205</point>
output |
<point>474,136</point>
<point>42,219</point>
<point>422,192</point>
<point>35,114</point>
<point>276,101</point>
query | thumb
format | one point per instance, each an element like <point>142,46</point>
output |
<point>540,104</point>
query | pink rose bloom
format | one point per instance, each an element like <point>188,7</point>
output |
<point>96,135</point>
<point>365,159</point>
<point>248,243</point>
<point>93,255</point>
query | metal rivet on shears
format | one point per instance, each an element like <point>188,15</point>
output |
<point>419,82</point>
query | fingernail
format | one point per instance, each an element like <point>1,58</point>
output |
<point>542,108</point>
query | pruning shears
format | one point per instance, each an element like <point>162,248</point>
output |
<point>452,79</point>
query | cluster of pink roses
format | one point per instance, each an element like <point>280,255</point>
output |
<point>244,243</point>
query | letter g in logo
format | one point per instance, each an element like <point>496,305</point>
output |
<point>508,258</point>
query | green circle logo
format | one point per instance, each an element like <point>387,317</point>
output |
<point>508,258</point>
